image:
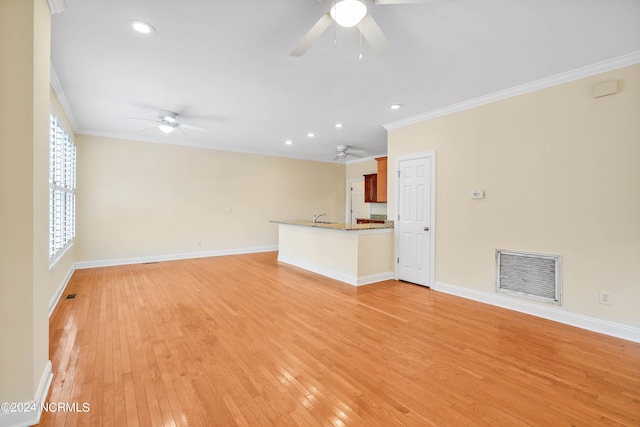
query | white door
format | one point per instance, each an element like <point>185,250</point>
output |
<point>359,209</point>
<point>414,222</point>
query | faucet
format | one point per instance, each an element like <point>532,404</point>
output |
<point>317,215</point>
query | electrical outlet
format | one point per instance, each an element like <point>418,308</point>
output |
<point>199,243</point>
<point>605,297</point>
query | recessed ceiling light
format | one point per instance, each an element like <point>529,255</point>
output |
<point>338,125</point>
<point>311,134</point>
<point>142,27</point>
<point>395,106</point>
<point>288,142</point>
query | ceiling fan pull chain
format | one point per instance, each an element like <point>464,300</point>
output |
<point>360,56</point>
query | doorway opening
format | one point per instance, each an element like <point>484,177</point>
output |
<point>356,207</point>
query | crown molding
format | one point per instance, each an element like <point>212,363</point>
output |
<point>57,6</point>
<point>566,77</point>
<point>183,142</point>
<point>62,98</point>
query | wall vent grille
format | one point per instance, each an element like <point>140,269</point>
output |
<point>528,275</point>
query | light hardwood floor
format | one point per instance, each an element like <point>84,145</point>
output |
<point>242,340</point>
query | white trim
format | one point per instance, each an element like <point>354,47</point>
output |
<point>546,312</point>
<point>62,98</point>
<point>348,197</point>
<point>53,302</point>
<point>171,257</point>
<point>566,77</point>
<point>363,159</point>
<point>432,226</point>
<point>332,274</point>
<point>336,275</point>
<point>61,254</point>
<point>375,278</point>
<point>57,6</point>
<point>29,418</point>
<point>184,142</point>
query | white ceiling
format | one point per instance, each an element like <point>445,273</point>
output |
<point>225,65</point>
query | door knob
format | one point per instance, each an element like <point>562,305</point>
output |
<point>426,229</point>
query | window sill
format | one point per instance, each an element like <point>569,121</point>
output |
<point>60,255</point>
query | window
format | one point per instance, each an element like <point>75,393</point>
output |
<point>62,186</point>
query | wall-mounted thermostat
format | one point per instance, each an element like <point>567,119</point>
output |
<point>477,194</point>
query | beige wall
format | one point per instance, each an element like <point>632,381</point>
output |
<point>354,257</point>
<point>356,170</point>
<point>561,174</point>
<point>24,108</point>
<point>58,272</point>
<point>141,199</point>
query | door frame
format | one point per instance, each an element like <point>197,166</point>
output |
<point>432,226</point>
<point>347,219</point>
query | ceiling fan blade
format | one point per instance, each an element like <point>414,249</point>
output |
<point>374,35</point>
<point>314,34</point>
<point>147,128</point>
<point>140,118</point>
<point>193,127</point>
<point>385,2</point>
<point>358,156</point>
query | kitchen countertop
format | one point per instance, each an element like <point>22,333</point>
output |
<point>335,225</point>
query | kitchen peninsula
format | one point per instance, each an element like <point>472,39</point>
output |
<point>357,254</point>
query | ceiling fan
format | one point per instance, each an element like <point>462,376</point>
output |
<point>349,13</point>
<point>344,151</point>
<point>168,121</point>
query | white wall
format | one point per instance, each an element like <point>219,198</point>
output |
<point>561,174</point>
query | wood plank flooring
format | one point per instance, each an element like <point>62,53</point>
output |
<point>243,340</point>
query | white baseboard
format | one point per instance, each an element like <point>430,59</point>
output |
<point>617,330</point>
<point>63,285</point>
<point>172,257</point>
<point>338,275</point>
<point>375,278</point>
<point>30,417</point>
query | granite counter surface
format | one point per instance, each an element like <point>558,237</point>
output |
<point>335,225</point>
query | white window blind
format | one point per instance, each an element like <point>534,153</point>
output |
<point>62,187</point>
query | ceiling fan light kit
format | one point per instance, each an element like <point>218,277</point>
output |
<point>348,13</point>
<point>166,127</point>
<point>343,152</point>
<point>167,121</point>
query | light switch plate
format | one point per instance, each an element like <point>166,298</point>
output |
<point>477,194</point>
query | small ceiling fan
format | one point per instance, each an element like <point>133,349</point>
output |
<point>344,151</point>
<point>349,13</point>
<point>168,121</point>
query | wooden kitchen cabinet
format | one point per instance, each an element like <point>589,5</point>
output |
<point>370,188</point>
<point>369,221</point>
<point>381,184</point>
